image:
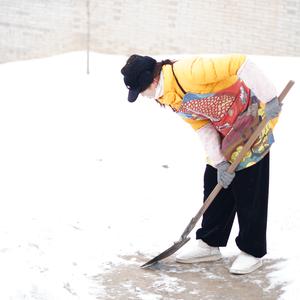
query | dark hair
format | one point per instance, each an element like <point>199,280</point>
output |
<point>159,66</point>
<point>157,71</point>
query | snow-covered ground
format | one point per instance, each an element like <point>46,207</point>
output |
<point>86,177</point>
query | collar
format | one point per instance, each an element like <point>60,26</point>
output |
<point>170,96</point>
<point>159,91</point>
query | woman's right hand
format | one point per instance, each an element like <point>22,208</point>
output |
<point>224,178</point>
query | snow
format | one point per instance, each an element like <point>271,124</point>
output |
<point>87,177</point>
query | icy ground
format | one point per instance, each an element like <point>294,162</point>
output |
<point>90,183</point>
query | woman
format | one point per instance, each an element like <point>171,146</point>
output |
<point>223,99</point>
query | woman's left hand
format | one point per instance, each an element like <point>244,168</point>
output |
<point>272,109</point>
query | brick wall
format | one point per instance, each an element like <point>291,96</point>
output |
<point>35,28</point>
<point>188,26</point>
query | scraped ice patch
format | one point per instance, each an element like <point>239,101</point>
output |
<point>194,292</point>
<point>168,284</point>
<point>149,296</point>
<point>139,293</point>
<point>212,281</point>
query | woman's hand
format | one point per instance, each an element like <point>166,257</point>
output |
<point>224,178</point>
<point>272,109</point>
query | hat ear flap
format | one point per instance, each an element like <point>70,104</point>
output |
<point>145,79</point>
<point>127,81</point>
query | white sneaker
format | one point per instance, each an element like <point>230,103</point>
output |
<point>245,263</point>
<point>198,251</point>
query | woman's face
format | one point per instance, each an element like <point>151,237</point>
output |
<point>150,91</point>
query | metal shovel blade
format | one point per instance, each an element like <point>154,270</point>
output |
<point>176,246</point>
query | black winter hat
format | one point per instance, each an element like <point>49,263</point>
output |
<point>138,74</point>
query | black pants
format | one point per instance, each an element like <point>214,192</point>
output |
<point>248,197</point>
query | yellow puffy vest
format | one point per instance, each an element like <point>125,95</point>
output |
<point>199,75</point>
